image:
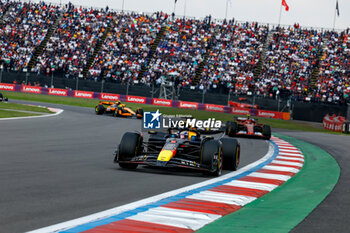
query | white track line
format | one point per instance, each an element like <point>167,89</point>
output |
<point>175,217</point>
<point>292,154</point>
<point>290,158</point>
<point>281,168</point>
<point>288,163</point>
<point>55,110</point>
<point>252,185</point>
<point>232,199</point>
<point>270,176</point>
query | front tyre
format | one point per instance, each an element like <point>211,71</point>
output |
<point>99,109</point>
<point>231,128</point>
<point>211,156</point>
<point>267,132</point>
<point>231,150</point>
<point>129,147</point>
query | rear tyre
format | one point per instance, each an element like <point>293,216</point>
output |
<point>99,109</point>
<point>129,147</point>
<point>139,113</point>
<point>211,155</point>
<point>231,128</point>
<point>231,151</point>
<point>267,132</point>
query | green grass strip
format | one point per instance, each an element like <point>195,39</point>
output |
<point>23,107</point>
<point>10,114</point>
<point>286,206</point>
<point>199,114</point>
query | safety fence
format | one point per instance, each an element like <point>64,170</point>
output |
<point>145,100</point>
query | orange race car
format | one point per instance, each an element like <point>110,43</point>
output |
<point>117,109</point>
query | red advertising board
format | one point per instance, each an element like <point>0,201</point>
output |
<point>136,99</point>
<point>59,92</point>
<point>215,108</point>
<point>333,123</point>
<point>191,105</point>
<point>286,116</point>
<point>31,89</point>
<point>84,94</point>
<point>109,97</point>
<point>270,114</point>
<point>7,87</point>
<point>162,102</point>
<point>241,111</point>
<point>242,105</point>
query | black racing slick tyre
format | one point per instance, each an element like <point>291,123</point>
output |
<point>231,151</point>
<point>231,128</point>
<point>139,113</point>
<point>129,147</point>
<point>267,132</point>
<point>211,155</point>
<point>99,109</point>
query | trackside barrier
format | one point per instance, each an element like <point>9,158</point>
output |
<point>346,127</point>
<point>334,123</point>
<point>58,92</point>
<point>7,87</point>
<point>145,100</point>
<point>109,97</point>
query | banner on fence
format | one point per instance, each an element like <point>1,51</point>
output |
<point>31,89</point>
<point>162,102</point>
<point>188,105</point>
<point>109,97</point>
<point>241,111</point>
<point>214,108</point>
<point>7,87</point>
<point>59,92</point>
<point>84,94</point>
<point>136,99</point>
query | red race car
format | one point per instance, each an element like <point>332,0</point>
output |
<point>247,127</point>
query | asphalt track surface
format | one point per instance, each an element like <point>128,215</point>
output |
<point>60,168</point>
<point>332,215</point>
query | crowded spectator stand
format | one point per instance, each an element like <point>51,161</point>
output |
<point>214,56</point>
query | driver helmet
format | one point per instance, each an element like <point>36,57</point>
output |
<point>118,102</point>
<point>184,135</point>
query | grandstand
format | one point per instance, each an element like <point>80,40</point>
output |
<point>209,55</point>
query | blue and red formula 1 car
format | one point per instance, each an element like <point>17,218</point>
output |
<point>180,148</point>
